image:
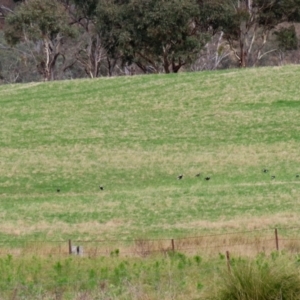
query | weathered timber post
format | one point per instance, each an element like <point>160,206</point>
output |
<point>70,247</point>
<point>276,239</point>
<point>173,245</point>
<point>228,261</point>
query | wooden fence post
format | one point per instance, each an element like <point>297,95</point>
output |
<point>276,239</point>
<point>70,247</point>
<point>173,245</point>
<point>228,261</point>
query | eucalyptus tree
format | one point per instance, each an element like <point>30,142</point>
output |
<point>248,24</point>
<point>46,24</point>
<point>159,34</point>
<point>89,52</point>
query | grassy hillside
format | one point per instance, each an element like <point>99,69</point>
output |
<point>134,136</point>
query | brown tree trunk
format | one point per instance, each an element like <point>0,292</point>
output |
<point>166,64</point>
<point>243,56</point>
<point>175,68</point>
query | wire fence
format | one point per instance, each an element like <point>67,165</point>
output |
<point>249,242</point>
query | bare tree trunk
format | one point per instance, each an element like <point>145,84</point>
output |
<point>91,56</point>
<point>166,62</point>
<point>51,51</point>
<point>47,71</point>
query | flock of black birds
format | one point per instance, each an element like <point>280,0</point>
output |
<point>180,176</point>
<point>273,176</point>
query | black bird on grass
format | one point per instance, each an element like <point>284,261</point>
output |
<point>180,176</point>
<point>207,178</point>
<point>58,190</point>
<point>101,187</point>
<point>297,175</point>
<point>273,177</point>
<point>197,175</point>
<point>265,170</point>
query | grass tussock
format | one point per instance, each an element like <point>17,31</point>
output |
<point>275,278</point>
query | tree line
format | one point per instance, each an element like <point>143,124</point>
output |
<point>58,39</point>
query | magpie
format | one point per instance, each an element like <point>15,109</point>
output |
<point>207,178</point>
<point>180,176</point>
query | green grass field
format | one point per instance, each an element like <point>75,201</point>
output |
<point>134,136</point>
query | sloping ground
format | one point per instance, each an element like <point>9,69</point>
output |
<point>134,136</point>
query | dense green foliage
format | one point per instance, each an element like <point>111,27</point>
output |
<point>151,33</point>
<point>287,38</point>
<point>38,19</point>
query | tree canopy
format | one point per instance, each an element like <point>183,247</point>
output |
<point>44,22</point>
<point>152,35</point>
<point>247,24</point>
<point>162,35</point>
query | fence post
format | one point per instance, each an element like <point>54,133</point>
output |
<point>173,245</point>
<point>276,239</point>
<point>70,247</point>
<point>228,261</point>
